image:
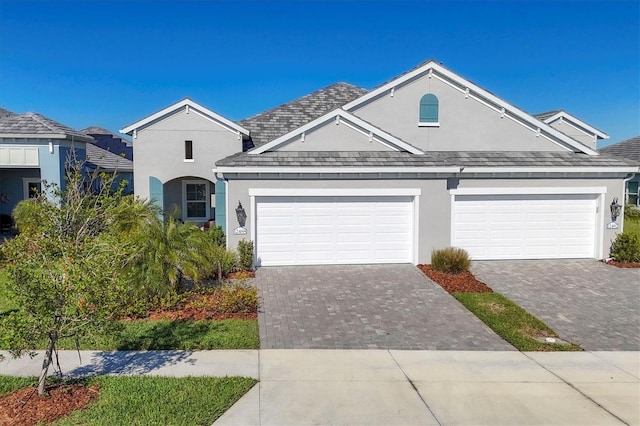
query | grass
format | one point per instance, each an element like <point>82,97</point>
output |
<point>143,400</point>
<point>511,322</point>
<point>171,335</point>
<point>9,384</point>
<point>632,226</point>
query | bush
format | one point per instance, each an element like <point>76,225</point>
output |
<point>626,248</point>
<point>226,260</point>
<point>217,236</point>
<point>238,298</point>
<point>245,255</point>
<point>450,260</point>
<point>631,212</point>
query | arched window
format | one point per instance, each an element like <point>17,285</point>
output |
<point>429,109</point>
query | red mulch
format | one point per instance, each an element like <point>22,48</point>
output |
<point>198,307</point>
<point>24,407</point>
<point>452,283</point>
<point>241,275</point>
<point>623,264</point>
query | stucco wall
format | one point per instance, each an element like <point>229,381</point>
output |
<point>334,137</point>
<point>434,203</point>
<point>574,133</point>
<point>159,149</point>
<point>465,124</point>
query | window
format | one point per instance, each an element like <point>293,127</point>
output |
<point>429,110</point>
<point>188,150</point>
<point>633,193</point>
<point>195,200</point>
<point>31,188</point>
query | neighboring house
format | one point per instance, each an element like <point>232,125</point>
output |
<point>630,150</point>
<point>34,148</point>
<point>424,161</point>
<point>110,154</point>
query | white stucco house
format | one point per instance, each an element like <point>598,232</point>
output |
<point>424,161</point>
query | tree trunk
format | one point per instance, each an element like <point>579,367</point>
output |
<point>48,358</point>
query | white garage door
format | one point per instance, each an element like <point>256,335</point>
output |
<point>525,227</point>
<point>333,230</point>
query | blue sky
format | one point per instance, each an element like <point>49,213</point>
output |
<point>110,63</point>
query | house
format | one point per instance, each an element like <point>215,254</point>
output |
<point>34,148</point>
<point>424,161</point>
<point>628,149</point>
<point>110,154</point>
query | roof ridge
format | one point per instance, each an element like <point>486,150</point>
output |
<point>41,119</point>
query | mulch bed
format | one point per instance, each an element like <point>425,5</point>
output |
<point>623,264</point>
<point>453,283</point>
<point>199,307</point>
<point>25,408</point>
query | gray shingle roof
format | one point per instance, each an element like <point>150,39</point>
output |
<point>31,123</point>
<point>97,130</point>
<point>269,125</point>
<point>106,160</point>
<point>629,149</point>
<point>6,113</point>
<point>430,159</point>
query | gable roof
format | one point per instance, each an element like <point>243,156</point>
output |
<point>629,149</point>
<point>432,69</point>
<point>551,116</point>
<point>273,123</point>
<point>357,124</point>
<point>106,160</point>
<point>6,113</point>
<point>33,125</point>
<point>189,105</point>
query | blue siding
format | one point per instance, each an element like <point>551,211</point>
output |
<point>221,207</point>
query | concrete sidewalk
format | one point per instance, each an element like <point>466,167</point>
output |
<point>303,387</point>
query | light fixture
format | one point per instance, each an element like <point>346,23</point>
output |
<point>615,209</point>
<point>241,215</point>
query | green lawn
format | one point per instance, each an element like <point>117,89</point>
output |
<point>511,322</point>
<point>152,400</point>
<point>167,335</point>
<point>632,226</point>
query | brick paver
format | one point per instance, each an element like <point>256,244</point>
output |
<point>364,307</point>
<point>584,301</point>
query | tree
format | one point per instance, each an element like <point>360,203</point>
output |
<point>71,263</point>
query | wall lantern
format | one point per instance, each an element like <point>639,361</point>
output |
<point>615,209</point>
<point>241,215</point>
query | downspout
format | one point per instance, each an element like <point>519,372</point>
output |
<point>624,190</point>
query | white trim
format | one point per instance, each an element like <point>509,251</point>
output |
<point>340,116</point>
<point>194,107</point>
<point>573,121</point>
<point>333,192</point>
<point>226,216</point>
<point>425,124</point>
<point>189,160</point>
<point>591,169</point>
<point>206,200</point>
<point>437,70</point>
<point>528,191</point>
<point>416,228</point>
<point>253,210</point>
<point>347,170</point>
<point>600,215</point>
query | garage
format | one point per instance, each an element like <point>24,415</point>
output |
<point>311,230</point>
<point>531,226</point>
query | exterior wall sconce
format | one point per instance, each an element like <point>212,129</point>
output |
<point>241,215</point>
<point>615,209</point>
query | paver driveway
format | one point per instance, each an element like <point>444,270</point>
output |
<point>364,307</point>
<point>584,301</point>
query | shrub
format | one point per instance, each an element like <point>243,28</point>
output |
<point>226,259</point>
<point>450,260</point>
<point>238,298</point>
<point>217,236</point>
<point>245,255</point>
<point>626,248</point>
<point>631,212</point>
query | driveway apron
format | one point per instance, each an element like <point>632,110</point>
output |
<point>584,301</point>
<point>364,307</point>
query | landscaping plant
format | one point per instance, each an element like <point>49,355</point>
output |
<point>450,260</point>
<point>245,255</point>
<point>626,248</point>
